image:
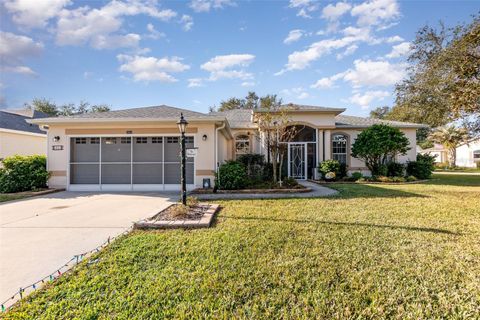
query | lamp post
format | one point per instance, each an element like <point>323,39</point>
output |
<point>182,126</point>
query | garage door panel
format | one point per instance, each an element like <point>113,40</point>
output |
<point>147,174</point>
<point>84,174</point>
<point>147,149</point>
<point>84,149</point>
<point>116,174</point>
<point>116,149</point>
<point>172,149</point>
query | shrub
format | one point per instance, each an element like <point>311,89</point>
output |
<point>23,173</point>
<point>395,169</point>
<point>342,172</point>
<point>254,164</point>
<point>290,182</point>
<point>329,166</point>
<point>478,165</point>
<point>398,179</point>
<point>422,168</point>
<point>380,170</point>
<point>411,178</point>
<point>356,176</point>
<point>375,144</point>
<point>231,175</point>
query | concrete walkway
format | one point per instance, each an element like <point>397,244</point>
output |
<point>317,191</point>
<point>40,234</point>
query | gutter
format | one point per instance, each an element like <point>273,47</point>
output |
<point>100,120</point>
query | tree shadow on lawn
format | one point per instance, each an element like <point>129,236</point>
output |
<point>345,224</point>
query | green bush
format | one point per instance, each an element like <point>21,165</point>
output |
<point>290,182</point>
<point>380,170</point>
<point>23,173</point>
<point>342,172</point>
<point>411,178</point>
<point>422,168</point>
<point>231,175</point>
<point>395,169</point>
<point>256,168</point>
<point>356,176</point>
<point>329,166</point>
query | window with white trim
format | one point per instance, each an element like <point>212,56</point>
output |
<point>125,140</point>
<point>339,147</point>
<point>476,155</point>
<point>156,139</point>
<point>142,140</point>
<point>80,140</point>
<point>242,144</point>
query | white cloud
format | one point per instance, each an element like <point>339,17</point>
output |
<point>400,50</point>
<point>195,82</point>
<point>229,66</point>
<point>187,22</point>
<point>364,100</point>
<point>327,82</point>
<point>207,5</point>
<point>298,93</point>
<point>151,68</point>
<point>34,13</point>
<point>14,49</point>
<point>99,27</point>
<point>394,39</point>
<point>305,7</point>
<point>333,12</point>
<point>349,51</point>
<point>293,36</point>
<point>375,73</point>
<point>248,84</point>
<point>374,12</point>
<point>154,33</point>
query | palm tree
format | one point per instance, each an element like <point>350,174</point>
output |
<point>450,137</point>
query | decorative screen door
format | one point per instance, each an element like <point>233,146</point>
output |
<point>296,159</point>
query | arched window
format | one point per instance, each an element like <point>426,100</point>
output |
<point>242,144</point>
<point>339,147</point>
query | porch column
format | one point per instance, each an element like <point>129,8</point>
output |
<point>328,144</point>
<point>319,146</point>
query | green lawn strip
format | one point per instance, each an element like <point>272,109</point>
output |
<point>374,251</point>
<point>9,197</point>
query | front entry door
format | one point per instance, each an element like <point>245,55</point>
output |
<point>297,166</point>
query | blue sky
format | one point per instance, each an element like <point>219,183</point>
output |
<point>129,53</point>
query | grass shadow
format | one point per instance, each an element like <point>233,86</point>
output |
<point>345,224</point>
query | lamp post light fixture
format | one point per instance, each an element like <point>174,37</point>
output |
<point>182,126</point>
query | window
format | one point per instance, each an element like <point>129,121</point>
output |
<point>94,140</point>
<point>80,140</point>
<point>476,154</point>
<point>142,139</point>
<point>125,140</point>
<point>242,144</point>
<point>156,139</point>
<point>188,139</point>
<point>110,140</point>
<point>172,139</point>
<point>339,148</point>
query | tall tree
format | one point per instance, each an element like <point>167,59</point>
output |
<point>68,109</point>
<point>43,105</point>
<point>251,100</point>
<point>379,112</point>
<point>443,83</point>
<point>231,104</point>
<point>450,137</point>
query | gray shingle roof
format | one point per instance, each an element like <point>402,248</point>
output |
<point>16,120</point>
<point>344,121</point>
<point>304,107</point>
<point>237,118</point>
<point>155,112</point>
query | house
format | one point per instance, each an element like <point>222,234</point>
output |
<point>468,154</point>
<point>19,137</point>
<point>438,151</point>
<point>138,149</point>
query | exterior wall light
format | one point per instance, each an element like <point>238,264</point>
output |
<point>204,137</point>
<point>56,138</point>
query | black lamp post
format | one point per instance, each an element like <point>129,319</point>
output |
<point>182,126</point>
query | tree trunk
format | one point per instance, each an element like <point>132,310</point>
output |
<point>274,163</point>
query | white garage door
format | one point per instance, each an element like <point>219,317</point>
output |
<point>128,163</point>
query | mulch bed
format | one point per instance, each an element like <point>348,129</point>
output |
<point>254,191</point>
<point>198,216</point>
<point>365,182</point>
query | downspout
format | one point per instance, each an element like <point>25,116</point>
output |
<point>216,148</point>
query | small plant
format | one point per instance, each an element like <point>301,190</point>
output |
<point>330,175</point>
<point>290,182</point>
<point>398,179</point>
<point>395,169</point>
<point>357,176</point>
<point>231,175</point>
<point>179,210</point>
<point>192,202</point>
<point>329,166</point>
<point>411,178</point>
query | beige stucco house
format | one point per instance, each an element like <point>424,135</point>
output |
<point>138,149</point>
<point>17,137</point>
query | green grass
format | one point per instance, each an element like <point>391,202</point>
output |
<point>468,170</point>
<point>393,251</point>
<point>8,197</point>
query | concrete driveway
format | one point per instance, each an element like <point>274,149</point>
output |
<point>40,234</point>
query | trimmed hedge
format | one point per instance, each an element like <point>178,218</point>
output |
<point>232,175</point>
<point>23,173</point>
<point>422,168</point>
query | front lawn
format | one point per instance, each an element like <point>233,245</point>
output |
<point>8,197</point>
<point>374,251</point>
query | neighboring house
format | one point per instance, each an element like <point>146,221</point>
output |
<point>468,154</point>
<point>17,136</point>
<point>438,151</point>
<point>138,149</point>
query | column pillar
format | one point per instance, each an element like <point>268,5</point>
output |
<point>328,144</point>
